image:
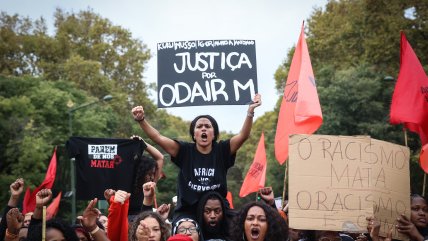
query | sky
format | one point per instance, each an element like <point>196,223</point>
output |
<point>273,24</point>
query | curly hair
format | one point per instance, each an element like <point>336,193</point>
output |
<point>277,228</point>
<point>63,227</point>
<point>165,231</point>
<point>145,165</point>
<point>213,123</point>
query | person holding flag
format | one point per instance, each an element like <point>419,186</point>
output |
<point>204,162</point>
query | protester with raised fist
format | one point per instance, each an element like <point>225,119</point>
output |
<point>204,162</point>
<point>16,188</point>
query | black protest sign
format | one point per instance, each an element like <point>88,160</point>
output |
<point>206,72</point>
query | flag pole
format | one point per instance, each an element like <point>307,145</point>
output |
<point>44,224</point>
<point>423,186</point>
<point>425,175</point>
<point>285,184</point>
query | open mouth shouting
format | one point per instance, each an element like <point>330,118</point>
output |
<point>212,223</point>
<point>204,137</point>
<point>255,233</point>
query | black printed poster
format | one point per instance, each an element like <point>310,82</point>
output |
<point>103,163</point>
<point>206,72</point>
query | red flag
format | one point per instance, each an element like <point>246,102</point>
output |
<point>300,111</point>
<point>256,175</point>
<point>423,158</point>
<point>52,209</point>
<point>30,199</point>
<point>230,199</point>
<point>410,99</point>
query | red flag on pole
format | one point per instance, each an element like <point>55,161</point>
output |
<point>53,208</point>
<point>230,199</point>
<point>30,197</point>
<point>256,175</point>
<point>300,111</point>
<point>410,99</point>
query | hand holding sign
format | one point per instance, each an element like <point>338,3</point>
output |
<point>257,101</point>
<point>206,72</point>
<point>405,226</point>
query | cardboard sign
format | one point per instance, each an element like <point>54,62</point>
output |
<point>335,182</point>
<point>206,72</point>
<point>392,186</point>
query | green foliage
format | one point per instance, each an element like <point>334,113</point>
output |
<point>34,119</point>
<point>86,49</point>
<point>346,33</point>
<point>43,76</point>
<point>344,95</point>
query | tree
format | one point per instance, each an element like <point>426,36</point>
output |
<point>347,33</point>
<point>33,119</point>
<point>86,49</point>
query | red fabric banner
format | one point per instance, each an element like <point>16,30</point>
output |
<point>256,175</point>
<point>230,199</point>
<point>29,203</point>
<point>410,99</point>
<point>53,208</point>
<point>300,111</point>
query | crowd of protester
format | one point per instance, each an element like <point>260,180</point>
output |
<point>197,216</point>
<point>254,221</point>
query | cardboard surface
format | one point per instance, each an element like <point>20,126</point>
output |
<point>335,182</point>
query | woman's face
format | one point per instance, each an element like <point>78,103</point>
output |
<point>154,227</point>
<point>203,132</point>
<point>189,229</point>
<point>104,221</point>
<point>255,225</point>
<point>53,234</point>
<point>418,215</point>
